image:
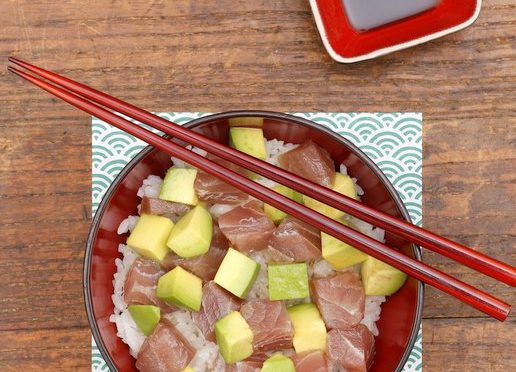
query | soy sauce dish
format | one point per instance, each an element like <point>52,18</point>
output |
<point>185,273</point>
<point>357,30</point>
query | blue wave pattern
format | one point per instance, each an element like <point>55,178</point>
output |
<point>392,140</point>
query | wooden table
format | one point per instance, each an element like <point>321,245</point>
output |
<point>219,55</point>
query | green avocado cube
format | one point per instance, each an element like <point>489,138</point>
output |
<point>149,236</point>
<point>178,186</point>
<point>146,317</point>
<point>234,337</point>
<point>344,185</point>
<point>191,235</point>
<point>309,328</point>
<point>274,214</point>
<point>278,363</point>
<point>248,140</point>
<point>180,287</point>
<point>339,254</point>
<point>381,279</point>
<point>246,121</point>
<point>237,273</point>
<point>288,281</point>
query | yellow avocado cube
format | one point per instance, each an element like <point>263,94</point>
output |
<point>178,186</point>
<point>237,273</point>
<point>248,140</point>
<point>149,237</point>
<point>309,328</point>
<point>192,234</point>
<point>180,287</point>
<point>339,254</point>
<point>234,337</point>
<point>343,185</point>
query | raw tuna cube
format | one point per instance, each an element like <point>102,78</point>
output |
<point>297,240</point>
<point>310,361</point>
<point>213,190</point>
<point>247,227</point>
<point>165,350</point>
<point>352,348</point>
<point>206,265</point>
<point>270,324</point>
<point>311,162</point>
<point>141,282</point>
<point>340,299</point>
<point>164,208</point>
<point>216,303</point>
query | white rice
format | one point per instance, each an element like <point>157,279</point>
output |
<point>128,331</point>
<point>122,267</point>
<point>150,188</point>
<point>206,352</point>
<point>372,312</point>
<point>344,170</point>
<point>181,164</point>
<point>206,355</point>
<point>275,148</point>
<point>127,225</point>
<point>367,229</point>
<point>260,289</point>
<point>126,328</point>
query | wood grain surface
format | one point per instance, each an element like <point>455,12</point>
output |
<point>186,55</point>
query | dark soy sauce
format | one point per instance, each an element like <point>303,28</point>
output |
<point>366,14</point>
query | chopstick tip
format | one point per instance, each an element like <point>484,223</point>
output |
<point>15,71</point>
<point>17,61</point>
<point>14,60</point>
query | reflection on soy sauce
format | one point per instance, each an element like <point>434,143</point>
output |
<point>366,14</point>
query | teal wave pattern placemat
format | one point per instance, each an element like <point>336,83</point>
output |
<point>393,140</point>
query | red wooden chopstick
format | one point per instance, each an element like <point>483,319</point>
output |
<point>462,254</point>
<point>464,292</point>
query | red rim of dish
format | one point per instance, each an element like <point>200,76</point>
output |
<point>347,45</point>
<point>92,235</point>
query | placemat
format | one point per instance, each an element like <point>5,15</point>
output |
<point>393,140</point>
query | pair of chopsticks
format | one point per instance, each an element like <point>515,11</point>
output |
<point>89,100</point>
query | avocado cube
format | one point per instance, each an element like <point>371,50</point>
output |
<point>191,235</point>
<point>234,337</point>
<point>309,328</point>
<point>188,369</point>
<point>178,186</point>
<point>381,279</point>
<point>237,273</point>
<point>146,317</point>
<point>288,281</point>
<point>248,140</point>
<point>278,363</point>
<point>180,287</point>
<point>344,185</point>
<point>339,254</point>
<point>274,214</point>
<point>246,121</point>
<point>149,236</point>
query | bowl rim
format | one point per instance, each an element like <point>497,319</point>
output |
<point>88,302</point>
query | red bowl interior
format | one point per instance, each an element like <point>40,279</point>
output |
<point>401,314</point>
<point>348,42</point>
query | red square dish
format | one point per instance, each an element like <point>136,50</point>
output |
<point>346,44</point>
